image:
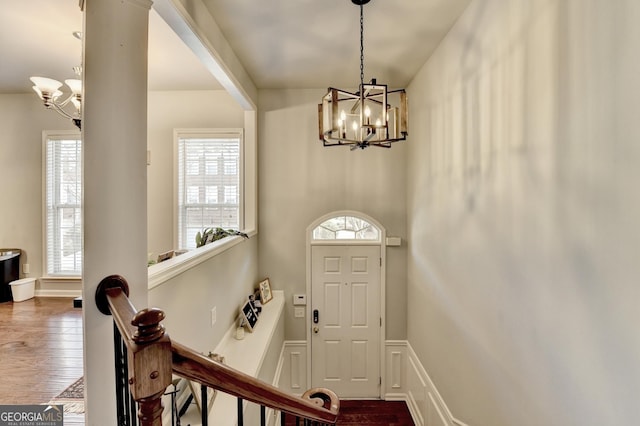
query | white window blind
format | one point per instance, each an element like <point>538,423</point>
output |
<point>63,182</point>
<point>209,183</point>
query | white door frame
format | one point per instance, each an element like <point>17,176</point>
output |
<point>383,280</point>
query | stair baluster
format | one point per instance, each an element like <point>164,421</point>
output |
<point>142,347</point>
<point>204,405</point>
<point>125,404</point>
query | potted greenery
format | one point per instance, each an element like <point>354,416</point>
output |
<point>209,235</point>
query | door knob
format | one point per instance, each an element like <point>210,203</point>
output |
<point>316,329</point>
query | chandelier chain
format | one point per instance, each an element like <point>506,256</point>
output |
<point>361,45</point>
<point>371,116</point>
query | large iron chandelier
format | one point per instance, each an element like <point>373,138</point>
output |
<point>49,92</point>
<point>373,116</point>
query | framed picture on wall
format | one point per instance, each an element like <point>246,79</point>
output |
<point>249,316</point>
<point>265,291</point>
<point>166,256</point>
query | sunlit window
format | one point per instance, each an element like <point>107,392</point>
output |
<point>209,182</point>
<point>63,210</point>
<point>346,228</point>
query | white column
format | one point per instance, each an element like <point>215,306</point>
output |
<point>114,128</point>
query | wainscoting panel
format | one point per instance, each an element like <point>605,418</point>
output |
<point>293,375</point>
<point>405,379</point>
<point>296,372</point>
<point>395,370</point>
<point>425,403</point>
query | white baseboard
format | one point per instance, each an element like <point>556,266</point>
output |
<point>405,380</point>
<point>59,287</point>
<point>58,293</point>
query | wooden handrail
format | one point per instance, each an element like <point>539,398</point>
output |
<point>148,346</point>
<point>320,405</point>
<point>153,357</point>
<point>112,298</point>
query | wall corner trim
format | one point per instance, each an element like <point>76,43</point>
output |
<point>425,403</point>
<point>407,380</point>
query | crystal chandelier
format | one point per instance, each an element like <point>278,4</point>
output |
<point>373,116</point>
<point>49,92</point>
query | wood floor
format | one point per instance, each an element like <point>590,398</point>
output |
<point>371,413</point>
<point>41,355</point>
<point>40,349</point>
<point>374,413</point>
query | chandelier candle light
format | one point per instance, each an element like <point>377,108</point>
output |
<point>373,116</point>
<point>49,92</point>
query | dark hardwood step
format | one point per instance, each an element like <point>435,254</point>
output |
<point>371,413</point>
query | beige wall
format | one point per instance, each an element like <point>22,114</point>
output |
<point>300,180</point>
<point>522,213</point>
<point>167,111</point>
<point>223,282</point>
<point>22,120</point>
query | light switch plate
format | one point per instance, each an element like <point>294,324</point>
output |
<point>298,312</point>
<point>214,316</point>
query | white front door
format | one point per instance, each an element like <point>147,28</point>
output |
<point>345,337</point>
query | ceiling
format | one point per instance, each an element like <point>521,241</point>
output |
<point>316,43</point>
<point>42,44</point>
<point>282,43</point>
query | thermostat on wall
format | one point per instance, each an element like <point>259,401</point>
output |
<point>299,299</point>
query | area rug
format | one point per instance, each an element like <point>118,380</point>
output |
<point>72,398</point>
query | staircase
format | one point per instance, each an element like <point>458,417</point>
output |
<point>147,359</point>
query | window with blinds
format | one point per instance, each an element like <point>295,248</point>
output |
<point>209,183</point>
<point>63,187</point>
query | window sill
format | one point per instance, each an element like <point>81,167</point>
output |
<point>164,271</point>
<point>60,278</point>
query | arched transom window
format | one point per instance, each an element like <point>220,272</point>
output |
<point>346,228</point>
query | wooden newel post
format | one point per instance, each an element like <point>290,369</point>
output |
<point>149,365</point>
